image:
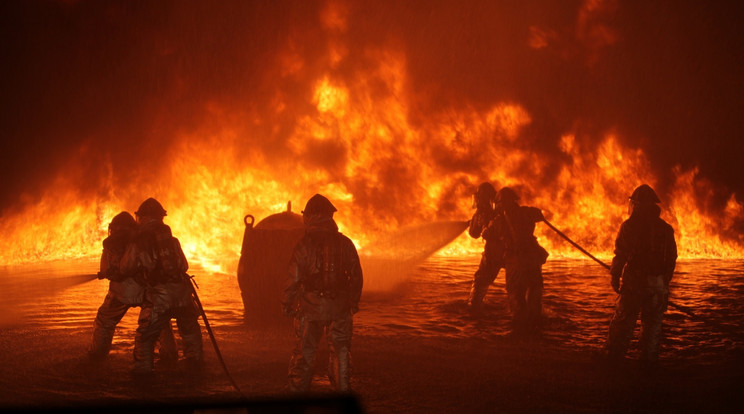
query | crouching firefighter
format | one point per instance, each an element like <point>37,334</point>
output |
<point>168,292</point>
<point>323,292</point>
<point>126,290</point>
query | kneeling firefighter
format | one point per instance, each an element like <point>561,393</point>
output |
<point>168,294</point>
<point>323,292</point>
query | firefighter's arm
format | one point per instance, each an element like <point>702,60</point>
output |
<point>619,260</point>
<point>290,300</point>
<point>671,257</point>
<point>536,214</point>
<point>476,224</point>
<point>105,264</point>
<point>183,264</point>
<point>356,279</point>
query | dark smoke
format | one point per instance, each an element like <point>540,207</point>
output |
<point>122,79</point>
<point>109,85</point>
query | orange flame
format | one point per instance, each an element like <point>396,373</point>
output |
<point>382,170</point>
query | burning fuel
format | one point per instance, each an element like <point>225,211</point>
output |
<point>397,123</point>
<point>396,111</point>
<point>211,192</point>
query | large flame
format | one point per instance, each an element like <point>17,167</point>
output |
<point>362,144</point>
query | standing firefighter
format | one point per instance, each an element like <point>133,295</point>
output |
<point>493,251</point>
<point>126,290</point>
<point>645,257</point>
<point>514,225</point>
<point>324,288</point>
<point>158,255</point>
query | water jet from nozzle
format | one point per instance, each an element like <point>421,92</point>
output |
<point>389,260</point>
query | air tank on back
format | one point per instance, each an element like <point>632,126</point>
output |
<point>264,262</point>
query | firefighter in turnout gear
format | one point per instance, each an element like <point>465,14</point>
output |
<point>644,262</point>
<point>493,251</point>
<point>323,292</point>
<point>168,293</point>
<point>126,290</point>
<point>514,226</point>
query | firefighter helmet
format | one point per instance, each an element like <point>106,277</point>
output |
<point>506,195</point>
<point>151,208</point>
<point>485,193</point>
<point>318,205</point>
<point>644,194</point>
<point>123,220</point>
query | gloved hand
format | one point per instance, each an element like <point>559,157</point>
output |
<point>540,216</point>
<point>615,283</point>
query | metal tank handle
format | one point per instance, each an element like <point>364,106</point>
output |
<point>245,220</point>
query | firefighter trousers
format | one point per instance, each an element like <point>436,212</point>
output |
<point>487,271</point>
<point>338,334</point>
<point>109,315</point>
<point>524,286</point>
<point>166,302</point>
<point>628,306</point>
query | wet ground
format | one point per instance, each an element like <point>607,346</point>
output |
<point>415,349</point>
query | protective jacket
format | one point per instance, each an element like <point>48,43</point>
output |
<point>645,251</point>
<point>114,247</point>
<point>480,221</point>
<point>515,226</point>
<point>157,254</point>
<point>325,276</point>
<point>124,286</point>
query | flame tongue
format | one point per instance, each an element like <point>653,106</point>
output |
<point>362,141</point>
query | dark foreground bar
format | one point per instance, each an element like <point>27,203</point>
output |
<point>313,404</point>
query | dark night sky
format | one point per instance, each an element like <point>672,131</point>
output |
<point>114,80</point>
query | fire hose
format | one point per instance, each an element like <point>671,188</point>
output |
<point>194,286</point>
<point>680,308</point>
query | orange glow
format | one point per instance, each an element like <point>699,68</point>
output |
<point>700,230</point>
<point>381,170</point>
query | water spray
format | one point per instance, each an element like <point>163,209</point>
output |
<point>56,284</point>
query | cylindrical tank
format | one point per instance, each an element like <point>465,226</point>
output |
<point>264,263</point>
